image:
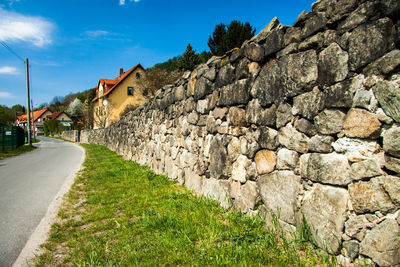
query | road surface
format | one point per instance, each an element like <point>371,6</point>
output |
<point>28,184</point>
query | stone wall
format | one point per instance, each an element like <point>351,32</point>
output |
<point>301,120</point>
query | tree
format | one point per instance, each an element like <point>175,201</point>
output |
<point>52,127</point>
<point>156,78</point>
<point>18,109</point>
<point>225,38</point>
<point>189,59</point>
<point>6,115</point>
<point>76,108</point>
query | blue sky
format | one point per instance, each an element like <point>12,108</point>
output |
<point>72,43</point>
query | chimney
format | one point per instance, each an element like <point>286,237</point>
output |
<point>121,71</point>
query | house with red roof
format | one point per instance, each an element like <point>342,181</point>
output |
<point>63,117</point>
<point>39,117</point>
<point>114,96</point>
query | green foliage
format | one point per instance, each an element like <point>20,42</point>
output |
<point>6,115</point>
<point>52,127</point>
<point>225,38</point>
<point>170,65</point>
<point>18,109</point>
<point>189,59</point>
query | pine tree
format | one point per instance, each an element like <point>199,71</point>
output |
<point>189,59</point>
<point>225,38</point>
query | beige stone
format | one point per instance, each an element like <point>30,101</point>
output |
<point>360,123</point>
<point>265,161</point>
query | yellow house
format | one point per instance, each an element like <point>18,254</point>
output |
<point>114,97</point>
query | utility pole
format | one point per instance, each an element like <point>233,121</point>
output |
<point>28,103</point>
<point>33,121</point>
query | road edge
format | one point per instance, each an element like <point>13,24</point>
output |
<point>40,235</point>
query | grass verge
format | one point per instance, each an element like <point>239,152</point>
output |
<point>119,213</point>
<point>20,150</point>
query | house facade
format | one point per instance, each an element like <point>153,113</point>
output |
<point>64,119</point>
<point>39,117</point>
<point>113,97</point>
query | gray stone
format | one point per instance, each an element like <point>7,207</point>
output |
<point>273,42</point>
<point>242,69</point>
<point>382,243</point>
<point>248,197</point>
<point>260,37</point>
<point>356,148</point>
<point>220,113</point>
<point>268,87</point>
<point>292,139</point>
<point>391,141</point>
<point>283,115</point>
<point>190,105</point>
<point>287,159</point>
<point>385,64</point>
<point>329,121</point>
<point>305,126</point>
<point>217,190</point>
<point>213,100</point>
<point>332,65</point>
<point>308,104</point>
<point>193,118</point>
<point>202,106</point>
<point>292,35</point>
<point>372,196</point>
<point>254,52</point>
<point>330,168</point>
<point>351,249</point>
<point>319,41</point>
<point>365,169</point>
<point>360,123</point>
<point>202,88</point>
<point>314,23</point>
<point>237,117</point>
<point>388,95</point>
<point>369,42</point>
<point>290,49</point>
<point>218,159</point>
<point>299,72</point>
<point>268,138</point>
<point>321,143</point>
<point>392,163</point>
<point>233,149</point>
<point>236,93</point>
<point>255,114</point>
<point>362,99</point>
<point>210,74</point>
<point>179,93</point>
<point>193,181</point>
<point>339,95</point>
<point>225,76</point>
<point>357,17</point>
<point>325,209</point>
<point>279,191</point>
<point>356,226</point>
<point>211,125</point>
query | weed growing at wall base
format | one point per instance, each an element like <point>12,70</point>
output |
<point>119,213</point>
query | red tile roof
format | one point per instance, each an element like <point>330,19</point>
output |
<point>55,115</point>
<point>36,115</point>
<point>110,85</point>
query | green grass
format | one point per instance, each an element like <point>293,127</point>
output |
<point>119,213</point>
<point>20,150</point>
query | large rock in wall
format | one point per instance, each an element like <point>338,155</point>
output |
<point>299,121</point>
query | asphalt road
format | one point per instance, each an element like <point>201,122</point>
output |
<point>28,184</point>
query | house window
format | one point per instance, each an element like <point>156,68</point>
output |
<point>130,90</point>
<point>145,92</point>
<point>137,75</point>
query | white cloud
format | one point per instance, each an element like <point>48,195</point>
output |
<point>8,70</point>
<point>121,2</point>
<point>5,95</point>
<point>96,34</point>
<point>18,27</point>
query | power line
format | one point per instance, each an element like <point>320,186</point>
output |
<point>11,51</point>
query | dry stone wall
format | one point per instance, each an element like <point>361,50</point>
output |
<point>301,120</point>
